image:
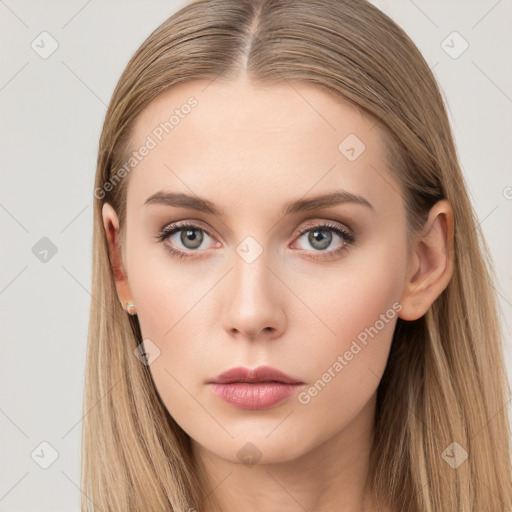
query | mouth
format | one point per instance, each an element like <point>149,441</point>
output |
<point>261,388</point>
<point>262,374</point>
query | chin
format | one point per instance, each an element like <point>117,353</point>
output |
<point>257,447</point>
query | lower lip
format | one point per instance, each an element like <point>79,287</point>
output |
<point>255,396</point>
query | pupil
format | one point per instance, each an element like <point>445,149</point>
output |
<point>319,239</point>
<point>191,235</point>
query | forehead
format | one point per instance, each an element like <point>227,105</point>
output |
<point>243,107</point>
<point>244,142</point>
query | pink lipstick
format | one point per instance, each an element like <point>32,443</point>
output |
<point>261,388</point>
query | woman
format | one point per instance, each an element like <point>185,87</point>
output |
<point>292,301</point>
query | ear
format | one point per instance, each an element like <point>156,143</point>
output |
<point>111,226</point>
<point>431,265</point>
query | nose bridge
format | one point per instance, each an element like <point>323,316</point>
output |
<point>251,303</point>
<point>250,274</point>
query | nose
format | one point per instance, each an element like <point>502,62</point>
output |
<point>252,307</point>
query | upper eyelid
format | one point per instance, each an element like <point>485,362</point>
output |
<point>325,224</point>
<point>181,225</point>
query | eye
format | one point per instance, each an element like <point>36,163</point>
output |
<point>185,236</point>
<point>321,237</point>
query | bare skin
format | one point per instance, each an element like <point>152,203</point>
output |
<point>249,151</point>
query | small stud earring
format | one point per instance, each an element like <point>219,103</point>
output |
<point>129,306</point>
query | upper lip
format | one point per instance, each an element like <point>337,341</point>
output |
<point>260,374</point>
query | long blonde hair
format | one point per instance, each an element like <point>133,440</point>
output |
<point>445,381</point>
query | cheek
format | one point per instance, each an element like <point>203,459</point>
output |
<point>166,291</point>
<point>353,296</point>
<point>361,307</point>
<point>174,302</point>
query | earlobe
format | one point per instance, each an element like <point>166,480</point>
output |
<point>432,264</point>
<point>111,227</point>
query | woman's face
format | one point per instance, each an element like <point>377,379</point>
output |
<point>244,287</point>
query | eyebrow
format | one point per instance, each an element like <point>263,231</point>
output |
<point>180,199</point>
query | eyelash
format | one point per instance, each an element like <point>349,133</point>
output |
<point>347,237</point>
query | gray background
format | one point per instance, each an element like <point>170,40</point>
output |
<point>52,112</point>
